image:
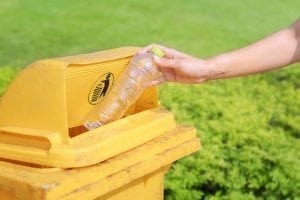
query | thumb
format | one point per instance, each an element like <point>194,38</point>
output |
<point>166,62</point>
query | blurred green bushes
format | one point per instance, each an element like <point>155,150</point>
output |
<point>250,129</point>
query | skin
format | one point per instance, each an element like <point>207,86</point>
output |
<point>277,50</point>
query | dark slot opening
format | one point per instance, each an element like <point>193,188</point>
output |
<point>77,130</point>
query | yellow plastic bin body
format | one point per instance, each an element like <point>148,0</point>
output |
<point>45,152</point>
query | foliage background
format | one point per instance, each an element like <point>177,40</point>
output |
<point>249,127</point>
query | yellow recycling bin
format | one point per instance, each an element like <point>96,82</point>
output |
<point>46,153</point>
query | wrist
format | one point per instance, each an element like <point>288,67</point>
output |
<point>217,67</point>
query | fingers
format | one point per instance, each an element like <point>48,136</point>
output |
<point>157,81</point>
<point>169,53</point>
<point>167,63</point>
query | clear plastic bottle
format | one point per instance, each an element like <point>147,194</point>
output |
<point>126,90</point>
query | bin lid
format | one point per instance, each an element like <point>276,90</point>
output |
<point>42,109</point>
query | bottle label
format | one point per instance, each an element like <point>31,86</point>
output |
<point>100,88</point>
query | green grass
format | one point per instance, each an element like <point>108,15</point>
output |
<point>31,30</point>
<point>249,127</point>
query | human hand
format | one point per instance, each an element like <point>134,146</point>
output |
<point>179,67</point>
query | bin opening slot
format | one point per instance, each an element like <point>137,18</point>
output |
<point>77,130</point>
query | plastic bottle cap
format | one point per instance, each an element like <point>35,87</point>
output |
<point>157,51</point>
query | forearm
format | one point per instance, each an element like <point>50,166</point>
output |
<point>277,50</point>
